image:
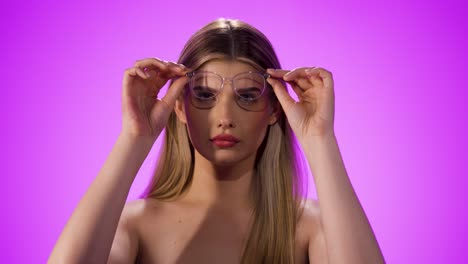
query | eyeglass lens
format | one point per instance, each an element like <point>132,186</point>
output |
<point>248,88</point>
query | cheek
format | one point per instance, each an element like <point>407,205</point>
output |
<point>197,123</point>
<point>258,127</point>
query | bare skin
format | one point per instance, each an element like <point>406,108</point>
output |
<point>209,223</point>
<point>177,232</point>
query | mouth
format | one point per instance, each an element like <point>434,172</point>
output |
<point>225,141</point>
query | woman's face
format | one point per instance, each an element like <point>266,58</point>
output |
<point>228,128</point>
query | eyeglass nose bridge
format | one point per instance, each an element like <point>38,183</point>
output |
<point>224,81</point>
<point>231,80</point>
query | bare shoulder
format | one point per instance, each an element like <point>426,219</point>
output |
<point>134,210</point>
<point>317,249</point>
<point>126,240</point>
<point>311,214</point>
<point>312,205</point>
<point>309,221</point>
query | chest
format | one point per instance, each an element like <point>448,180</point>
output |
<point>200,238</point>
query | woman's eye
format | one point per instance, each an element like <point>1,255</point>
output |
<point>249,94</point>
<point>203,92</point>
<point>205,95</point>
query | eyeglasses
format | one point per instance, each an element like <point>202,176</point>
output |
<point>249,89</point>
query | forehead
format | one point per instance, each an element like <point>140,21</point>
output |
<point>227,68</point>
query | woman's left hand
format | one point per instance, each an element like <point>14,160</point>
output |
<point>313,114</point>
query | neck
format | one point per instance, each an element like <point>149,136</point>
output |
<point>222,186</point>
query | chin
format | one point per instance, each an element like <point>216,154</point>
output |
<point>224,158</point>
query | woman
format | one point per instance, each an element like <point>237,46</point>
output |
<point>226,188</point>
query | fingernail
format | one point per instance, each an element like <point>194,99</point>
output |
<point>310,70</point>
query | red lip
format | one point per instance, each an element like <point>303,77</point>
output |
<point>225,137</point>
<point>225,140</point>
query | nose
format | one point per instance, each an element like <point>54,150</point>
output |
<point>226,123</point>
<point>225,107</point>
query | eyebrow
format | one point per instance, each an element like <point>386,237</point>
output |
<point>254,80</point>
<point>249,89</point>
<point>203,87</point>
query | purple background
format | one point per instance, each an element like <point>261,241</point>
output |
<point>399,85</point>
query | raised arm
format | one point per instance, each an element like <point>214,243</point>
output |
<point>89,233</point>
<point>346,235</point>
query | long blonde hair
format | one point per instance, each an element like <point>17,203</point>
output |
<point>278,186</point>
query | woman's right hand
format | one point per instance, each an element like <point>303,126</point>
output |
<point>143,113</point>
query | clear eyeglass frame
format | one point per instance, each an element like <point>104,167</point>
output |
<point>232,80</point>
<point>208,100</point>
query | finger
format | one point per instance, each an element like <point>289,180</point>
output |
<point>277,73</point>
<point>176,67</point>
<point>326,76</point>
<point>297,73</point>
<point>174,91</point>
<point>307,78</point>
<point>314,78</point>
<point>142,74</point>
<point>130,72</point>
<point>310,73</point>
<point>174,70</point>
<point>160,65</point>
<point>170,69</point>
<point>160,76</point>
<point>281,93</point>
<point>161,68</point>
<point>302,84</point>
<point>297,89</point>
<point>299,80</point>
<point>152,63</point>
<point>129,75</point>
